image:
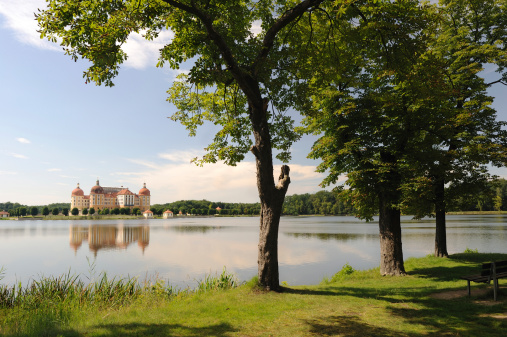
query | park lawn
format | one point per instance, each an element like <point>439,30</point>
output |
<point>430,301</point>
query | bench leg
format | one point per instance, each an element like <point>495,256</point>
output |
<point>495,290</point>
<point>468,287</point>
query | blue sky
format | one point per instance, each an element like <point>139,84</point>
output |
<point>56,131</point>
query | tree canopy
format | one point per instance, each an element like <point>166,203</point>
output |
<point>237,80</point>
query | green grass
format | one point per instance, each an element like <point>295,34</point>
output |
<point>351,303</point>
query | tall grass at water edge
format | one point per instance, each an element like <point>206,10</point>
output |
<point>104,291</point>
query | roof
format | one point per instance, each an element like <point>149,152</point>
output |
<point>168,211</point>
<point>77,191</point>
<point>144,191</point>
<point>125,191</point>
<point>148,211</point>
<point>3,212</point>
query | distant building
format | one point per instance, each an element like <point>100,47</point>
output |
<point>168,214</point>
<point>148,214</point>
<point>110,197</point>
<point>4,214</point>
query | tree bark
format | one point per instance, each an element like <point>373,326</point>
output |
<point>271,198</point>
<point>268,235</point>
<point>440,233</point>
<point>391,252</point>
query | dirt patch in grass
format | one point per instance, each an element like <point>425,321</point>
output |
<point>453,294</point>
<point>497,316</point>
<point>482,293</point>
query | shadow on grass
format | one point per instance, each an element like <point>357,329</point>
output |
<point>136,329</point>
<point>472,266</point>
<point>428,316</point>
<point>347,326</point>
<point>478,257</point>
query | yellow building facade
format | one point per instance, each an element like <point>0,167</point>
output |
<point>110,197</point>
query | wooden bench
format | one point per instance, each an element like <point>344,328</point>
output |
<point>490,271</point>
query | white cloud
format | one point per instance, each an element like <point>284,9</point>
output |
<point>19,17</point>
<point>17,155</point>
<point>180,179</point>
<point>143,163</point>
<point>54,170</point>
<point>256,28</point>
<point>23,140</point>
<point>142,53</point>
<point>180,156</point>
<point>7,173</point>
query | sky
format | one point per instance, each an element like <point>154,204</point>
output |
<point>57,131</point>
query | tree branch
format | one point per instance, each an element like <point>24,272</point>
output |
<point>284,20</point>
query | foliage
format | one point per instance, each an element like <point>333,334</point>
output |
<point>55,211</point>
<point>344,272</point>
<point>218,282</point>
<point>34,211</point>
<point>204,207</point>
<point>322,202</point>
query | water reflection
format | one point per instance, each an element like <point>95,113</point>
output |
<point>333,236</point>
<point>199,229</point>
<point>108,237</point>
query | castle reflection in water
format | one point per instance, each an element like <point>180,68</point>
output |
<point>108,237</point>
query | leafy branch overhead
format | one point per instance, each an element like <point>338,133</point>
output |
<point>217,36</point>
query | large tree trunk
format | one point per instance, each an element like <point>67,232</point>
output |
<point>391,252</point>
<point>271,197</point>
<point>440,233</point>
<point>268,234</point>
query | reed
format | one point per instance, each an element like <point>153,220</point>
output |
<point>217,282</point>
<point>111,292</point>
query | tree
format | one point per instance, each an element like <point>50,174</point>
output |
<point>85,211</point>
<point>92,211</point>
<point>235,80</point>
<point>22,211</point>
<point>45,211</point>
<point>75,211</point>
<point>366,105</point>
<point>34,211</point>
<point>467,44</point>
<point>65,211</point>
<point>135,211</point>
<point>105,211</point>
<point>55,211</point>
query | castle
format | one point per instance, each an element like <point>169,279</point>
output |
<point>110,197</point>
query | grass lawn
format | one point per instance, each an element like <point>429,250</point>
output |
<point>430,301</point>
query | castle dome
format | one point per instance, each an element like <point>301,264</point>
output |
<point>77,192</point>
<point>144,191</point>
<point>97,189</point>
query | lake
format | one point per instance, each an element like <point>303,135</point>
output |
<point>185,249</point>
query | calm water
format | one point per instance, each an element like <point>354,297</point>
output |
<point>185,249</point>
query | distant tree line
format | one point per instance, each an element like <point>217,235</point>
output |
<point>492,196</point>
<point>205,207</point>
<point>16,209</point>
